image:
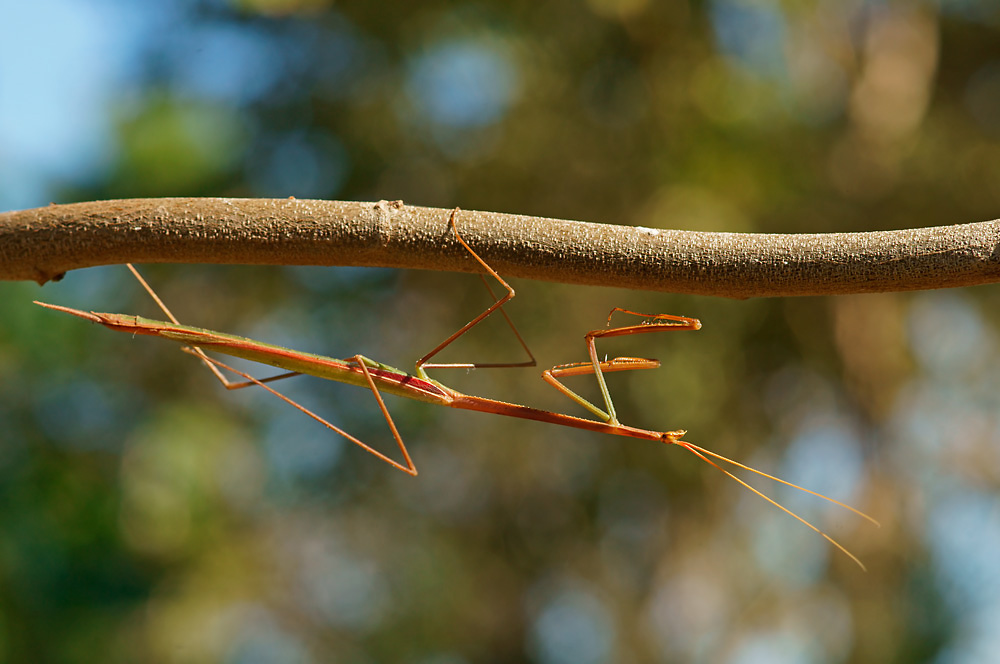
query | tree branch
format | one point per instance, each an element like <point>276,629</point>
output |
<point>43,243</point>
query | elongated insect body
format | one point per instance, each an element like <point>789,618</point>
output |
<point>381,378</point>
<point>390,380</point>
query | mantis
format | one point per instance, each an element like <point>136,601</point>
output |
<point>381,378</point>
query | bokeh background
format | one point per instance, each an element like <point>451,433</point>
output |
<point>148,515</point>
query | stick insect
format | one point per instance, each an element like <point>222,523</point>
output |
<point>381,378</point>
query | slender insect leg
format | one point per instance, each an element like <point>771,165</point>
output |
<point>552,376</point>
<point>423,363</point>
<point>228,384</point>
<point>409,468</point>
<point>653,323</point>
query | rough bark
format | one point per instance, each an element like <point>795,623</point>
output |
<point>43,243</point>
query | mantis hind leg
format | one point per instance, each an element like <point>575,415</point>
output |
<point>198,352</point>
<point>409,468</point>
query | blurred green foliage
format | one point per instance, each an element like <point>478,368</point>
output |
<point>147,515</point>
